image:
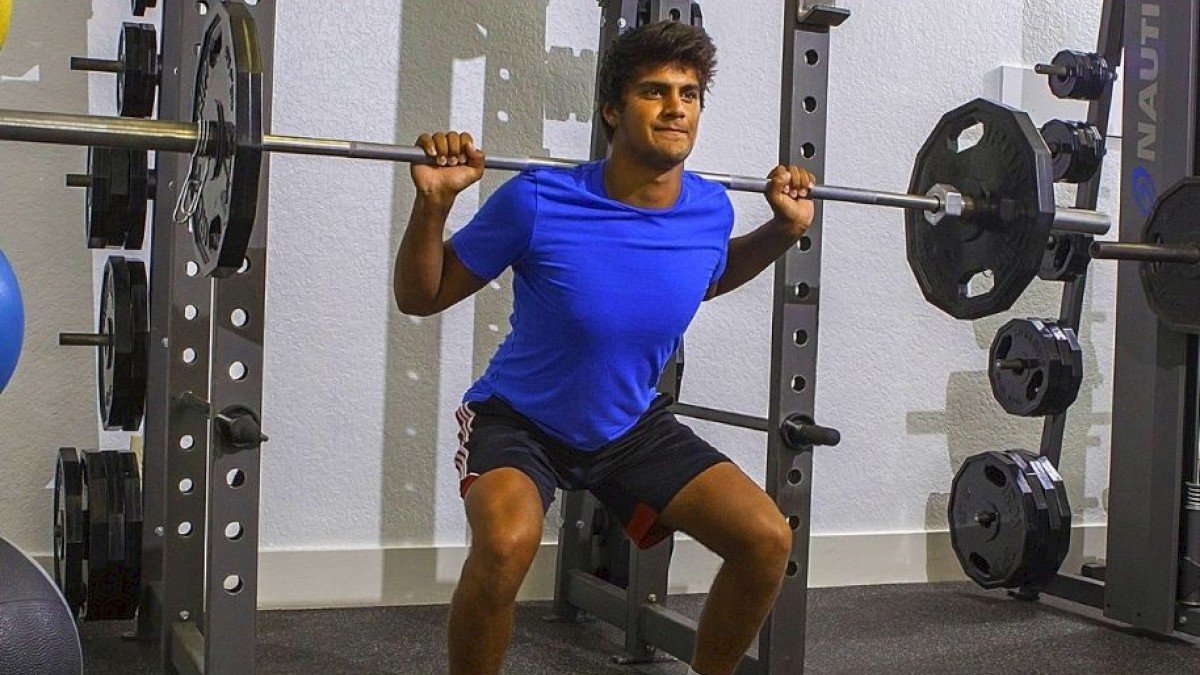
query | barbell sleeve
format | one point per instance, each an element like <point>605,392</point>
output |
<point>1161,253</point>
<point>167,136</point>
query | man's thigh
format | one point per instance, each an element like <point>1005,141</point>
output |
<point>647,471</point>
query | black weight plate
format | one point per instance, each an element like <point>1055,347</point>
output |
<point>1059,535</point>
<point>1076,150</point>
<point>993,520</point>
<point>122,363</point>
<point>1089,75</point>
<point>1066,257</point>
<point>137,83</point>
<point>112,572</point>
<point>1042,562</point>
<point>228,99</point>
<point>1052,372</point>
<point>70,529</point>
<point>116,198</point>
<point>1173,289</point>
<point>1007,174</point>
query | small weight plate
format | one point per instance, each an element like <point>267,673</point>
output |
<point>1059,512</point>
<point>1089,75</point>
<point>123,362</point>
<point>228,102</point>
<point>1066,257</point>
<point>993,520</point>
<point>993,155</point>
<point>1050,373</point>
<point>137,83</point>
<point>1173,289</point>
<point>70,529</point>
<point>1077,149</point>
<point>116,198</point>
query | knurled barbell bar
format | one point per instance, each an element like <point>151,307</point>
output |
<point>973,208</point>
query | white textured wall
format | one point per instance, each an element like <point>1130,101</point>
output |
<point>359,399</point>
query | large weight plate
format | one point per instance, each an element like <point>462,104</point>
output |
<point>121,368</point>
<point>1051,373</point>
<point>1001,525</point>
<point>70,529</point>
<point>1008,174</point>
<point>1173,289</point>
<point>228,99</point>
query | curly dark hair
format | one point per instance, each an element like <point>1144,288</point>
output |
<point>649,46</point>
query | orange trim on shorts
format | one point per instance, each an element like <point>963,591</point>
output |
<point>644,529</point>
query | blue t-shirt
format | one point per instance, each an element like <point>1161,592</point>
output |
<point>602,294</point>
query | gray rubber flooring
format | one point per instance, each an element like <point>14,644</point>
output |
<point>951,629</point>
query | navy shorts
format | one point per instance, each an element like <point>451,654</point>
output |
<point>635,476</point>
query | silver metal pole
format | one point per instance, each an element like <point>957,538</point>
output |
<point>139,134</point>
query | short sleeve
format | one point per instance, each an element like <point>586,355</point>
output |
<point>727,223</point>
<point>499,233</point>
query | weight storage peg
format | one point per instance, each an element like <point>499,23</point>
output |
<point>123,337</point>
<point>1170,253</point>
<point>138,69</point>
<point>800,432</point>
<point>1078,75</point>
<point>1000,216</point>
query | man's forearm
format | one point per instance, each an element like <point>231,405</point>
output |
<point>754,251</point>
<point>418,273</point>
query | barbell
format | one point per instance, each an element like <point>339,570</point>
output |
<point>980,201</point>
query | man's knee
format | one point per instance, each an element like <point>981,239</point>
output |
<point>766,545</point>
<point>507,550</point>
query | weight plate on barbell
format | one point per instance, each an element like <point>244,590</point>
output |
<point>992,154</point>
<point>121,368</point>
<point>1001,522</point>
<point>1035,367</point>
<point>70,529</point>
<point>118,188</point>
<point>1173,289</point>
<point>228,101</point>
<point>112,508</point>
<point>137,83</point>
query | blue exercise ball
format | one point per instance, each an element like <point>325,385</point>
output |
<point>12,321</point>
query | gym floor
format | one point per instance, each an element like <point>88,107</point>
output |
<point>950,628</point>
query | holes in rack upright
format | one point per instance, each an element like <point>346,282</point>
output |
<point>237,371</point>
<point>232,584</point>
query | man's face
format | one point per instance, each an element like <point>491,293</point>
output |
<point>660,118</point>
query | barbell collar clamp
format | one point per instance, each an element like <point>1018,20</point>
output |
<point>1188,254</point>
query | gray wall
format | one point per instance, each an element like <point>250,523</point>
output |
<point>359,398</point>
